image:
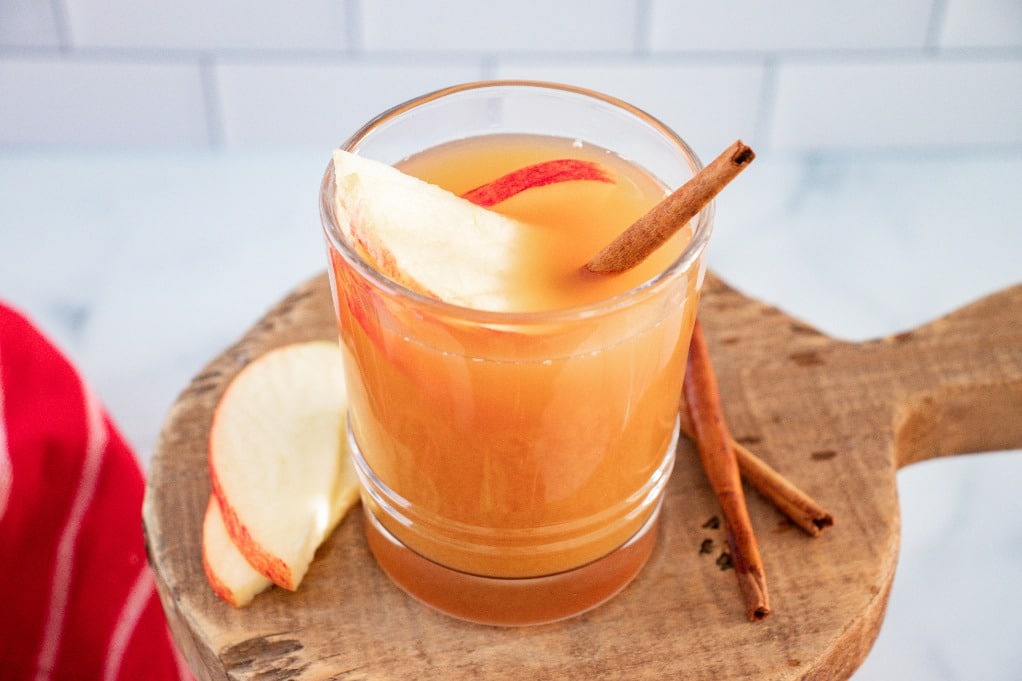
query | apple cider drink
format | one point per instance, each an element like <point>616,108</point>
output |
<point>513,423</point>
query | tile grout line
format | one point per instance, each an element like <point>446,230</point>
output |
<point>215,126</point>
<point>766,103</point>
<point>353,26</point>
<point>938,17</point>
<point>62,24</point>
<point>822,57</point>
<point>643,27</point>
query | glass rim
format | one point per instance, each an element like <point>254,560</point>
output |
<point>696,245</point>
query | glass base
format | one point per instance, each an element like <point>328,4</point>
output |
<point>510,601</point>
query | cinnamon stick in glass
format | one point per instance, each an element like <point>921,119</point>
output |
<point>650,231</point>
<point>700,385</point>
<point>721,467</point>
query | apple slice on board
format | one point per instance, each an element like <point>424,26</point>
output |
<point>278,458</point>
<point>232,577</point>
<point>414,231</point>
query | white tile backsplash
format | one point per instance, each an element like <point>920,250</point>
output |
<point>28,23</point>
<point>523,26</point>
<point>58,103</point>
<point>915,104</point>
<point>709,105</point>
<point>784,25</point>
<point>982,23</point>
<point>209,24</point>
<point>792,75</point>
<point>320,104</point>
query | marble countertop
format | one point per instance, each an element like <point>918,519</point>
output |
<point>142,266</point>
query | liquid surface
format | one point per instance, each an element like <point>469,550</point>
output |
<point>567,223</point>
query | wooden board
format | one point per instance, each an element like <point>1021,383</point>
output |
<point>838,419</point>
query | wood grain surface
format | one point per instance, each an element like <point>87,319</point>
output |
<point>838,419</point>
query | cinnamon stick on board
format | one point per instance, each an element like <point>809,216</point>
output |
<point>798,506</point>
<point>650,231</point>
<point>721,467</point>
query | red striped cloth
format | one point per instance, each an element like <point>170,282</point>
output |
<point>77,598</point>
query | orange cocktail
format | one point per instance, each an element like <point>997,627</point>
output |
<point>513,462</point>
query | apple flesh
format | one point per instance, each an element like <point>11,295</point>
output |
<point>431,241</point>
<point>278,459</point>
<point>536,175</point>
<point>437,243</point>
<point>425,237</point>
<point>232,577</point>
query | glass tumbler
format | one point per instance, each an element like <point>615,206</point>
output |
<point>513,464</point>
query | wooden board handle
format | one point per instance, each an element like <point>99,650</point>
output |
<point>955,383</point>
<point>952,386</point>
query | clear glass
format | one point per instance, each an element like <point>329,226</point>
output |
<point>513,464</point>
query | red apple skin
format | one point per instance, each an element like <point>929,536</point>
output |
<point>271,567</point>
<point>536,175</point>
<point>219,588</point>
<point>365,307</point>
